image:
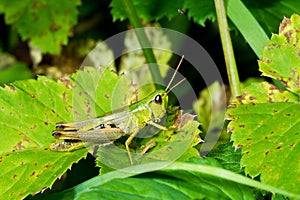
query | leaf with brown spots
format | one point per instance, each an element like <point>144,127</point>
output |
<point>281,57</point>
<point>269,136</point>
<point>265,119</point>
<point>29,111</point>
<point>46,23</point>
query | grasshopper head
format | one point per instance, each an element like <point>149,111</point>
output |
<point>158,103</point>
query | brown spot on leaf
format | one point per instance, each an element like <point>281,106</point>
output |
<point>279,147</point>
<point>266,152</point>
<point>32,95</point>
<point>64,96</point>
<point>288,35</point>
<point>26,139</point>
<point>14,176</point>
<point>283,24</point>
<point>0,159</point>
<point>242,125</point>
<point>22,163</point>
<point>54,27</point>
<point>46,123</point>
<point>32,174</point>
<point>249,139</point>
<point>11,88</point>
<point>240,98</point>
<point>19,146</point>
<point>252,97</point>
<point>35,163</point>
<point>33,127</point>
<point>266,137</point>
<point>47,166</point>
<point>68,108</point>
<point>106,96</point>
<point>292,145</point>
<point>288,114</point>
<point>275,111</point>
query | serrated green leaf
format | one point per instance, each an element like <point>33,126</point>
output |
<point>31,170</point>
<point>268,135</point>
<point>200,11</point>
<point>266,119</point>
<point>99,91</point>
<point>228,156</point>
<point>281,57</point>
<point>30,109</point>
<point>147,10</point>
<point>264,92</point>
<point>46,23</point>
<point>265,123</point>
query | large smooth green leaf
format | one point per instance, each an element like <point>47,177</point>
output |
<point>269,14</point>
<point>199,179</point>
<point>266,119</point>
<point>46,23</point>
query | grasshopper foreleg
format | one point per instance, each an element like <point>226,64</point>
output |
<point>127,143</point>
<point>157,125</point>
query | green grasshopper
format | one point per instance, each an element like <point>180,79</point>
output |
<point>106,129</point>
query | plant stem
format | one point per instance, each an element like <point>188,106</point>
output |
<point>231,68</point>
<point>143,40</point>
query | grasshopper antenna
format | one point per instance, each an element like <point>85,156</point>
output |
<point>167,88</point>
<point>174,86</point>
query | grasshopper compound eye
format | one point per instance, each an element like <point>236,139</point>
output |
<point>158,99</point>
